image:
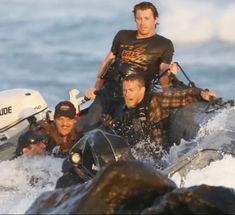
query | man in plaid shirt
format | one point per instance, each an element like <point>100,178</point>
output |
<point>145,115</point>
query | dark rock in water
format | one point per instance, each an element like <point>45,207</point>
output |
<point>195,200</point>
<point>133,187</point>
<point>121,187</point>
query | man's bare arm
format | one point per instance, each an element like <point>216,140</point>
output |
<point>99,81</point>
<point>102,69</point>
<point>165,71</point>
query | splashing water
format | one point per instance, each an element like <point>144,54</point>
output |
<point>23,179</point>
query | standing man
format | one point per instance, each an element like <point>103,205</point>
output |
<point>139,51</point>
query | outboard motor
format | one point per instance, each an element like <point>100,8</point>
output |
<point>95,150</point>
<point>19,108</point>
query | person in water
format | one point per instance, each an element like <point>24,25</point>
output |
<point>145,114</point>
<point>32,143</point>
<point>139,51</point>
<point>63,131</point>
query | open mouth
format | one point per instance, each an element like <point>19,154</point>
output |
<point>129,100</point>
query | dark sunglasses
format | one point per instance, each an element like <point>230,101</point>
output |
<point>38,140</point>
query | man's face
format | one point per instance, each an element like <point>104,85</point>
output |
<point>35,149</point>
<point>145,22</point>
<point>133,93</point>
<point>64,125</point>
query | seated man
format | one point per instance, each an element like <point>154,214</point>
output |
<point>31,143</point>
<point>145,115</point>
<point>62,131</point>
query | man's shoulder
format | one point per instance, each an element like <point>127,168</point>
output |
<point>162,38</point>
<point>124,32</point>
<point>172,92</point>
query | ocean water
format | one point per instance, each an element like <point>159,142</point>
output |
<point>54,46</point>
<point>57,45</point>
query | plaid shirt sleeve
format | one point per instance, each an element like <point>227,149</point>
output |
<point>162,103</point>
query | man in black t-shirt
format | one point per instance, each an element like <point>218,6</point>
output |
<point>133,51</point>
<point>141,55</point>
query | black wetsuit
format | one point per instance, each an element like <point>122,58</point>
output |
<point>133,55</point>
<point>133,123</point>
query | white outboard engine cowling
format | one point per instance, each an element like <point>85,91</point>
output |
<point>18,109</point>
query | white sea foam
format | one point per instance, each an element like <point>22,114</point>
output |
<point>23,179</point>
<point>218,173</point>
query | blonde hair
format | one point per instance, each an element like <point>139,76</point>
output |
<point>135,77</point>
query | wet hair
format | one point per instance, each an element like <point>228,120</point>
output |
<point>31,136</point>
<point>135,77</point>
<point>144,6</point>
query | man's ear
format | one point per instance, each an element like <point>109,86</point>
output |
<point>25,151</point>
<point>143,89</point>
<point>156,21</point>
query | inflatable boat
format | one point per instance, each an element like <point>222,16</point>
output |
<point>98,148</point>
<point>22,107</point>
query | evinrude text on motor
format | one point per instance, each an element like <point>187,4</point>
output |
<point>19,108</point>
